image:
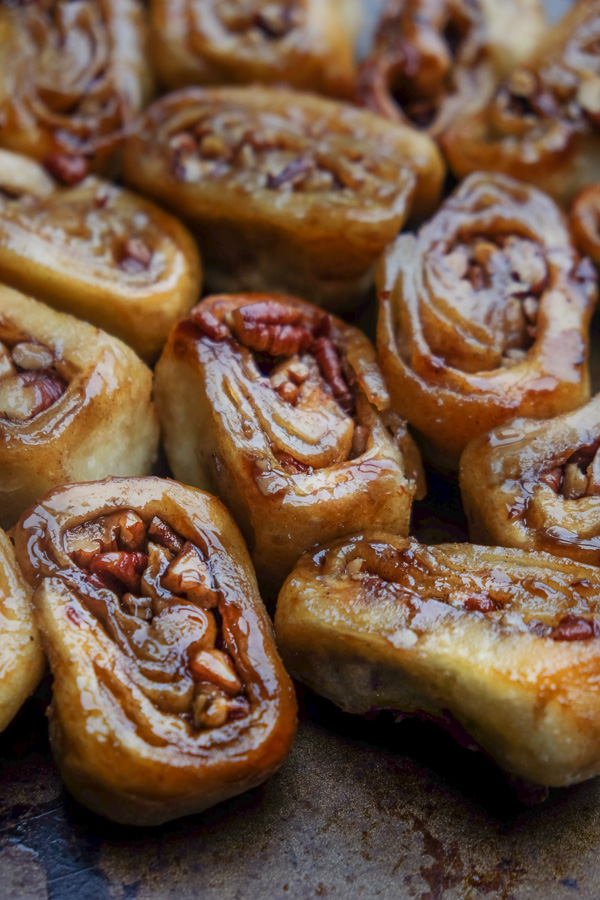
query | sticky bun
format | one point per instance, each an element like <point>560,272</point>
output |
<point>96,251</point>
<point>169,695</point>
<point>305,43</point>
<point>21,657</point>
<point>435,60</point>
<point>484,315</point>
<point>500,646</point>
<point>72,77</point>
<point>281,410</point>
<point>74,404</point>
<point>542,123</point>
<point>284,191</point>
<point>536,485</point>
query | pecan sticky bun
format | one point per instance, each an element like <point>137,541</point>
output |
<point>435,60</point>
<point>74,404</point>
<point>72,77</point>
<point>484,315</point>
<point>542,123</point>
<point>21,656</point>
<point>305,43</point>
<point>97,251</point>
<point>284,191</point>
<point>585,222</point>
<point>281,410</point>
<point>533,484</point>
<point>501,647</point>
<point>169,695</point>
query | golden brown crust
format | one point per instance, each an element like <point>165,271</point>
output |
<point>137,579</point>
<point>285,191</point>
<point>304,43</point>
<point>536,485</point>
<point>484,315</point>
<point>504,643</point>
<point>281,410</point>
<point>21,658</point>
<point>542,124</point>
<point>435,60</point>
<point>72,76</point>
<point>96,251</point>
<point>74,404</point>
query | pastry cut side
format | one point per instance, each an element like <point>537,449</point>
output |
<point>280,409</point>
<point>168,694</point>
<point>484,315</point>
<point>96,251</point>
<point>434,61</point>
<point>283,190</point>
<point>536,485</point>
<point>305,43</point>
<point>542,123</point>
<point>22,660</point>
<point>75,404</point>
<point>72,78</point>
<point>504,644</point>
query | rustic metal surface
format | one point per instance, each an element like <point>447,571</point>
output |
<point>361,809</point>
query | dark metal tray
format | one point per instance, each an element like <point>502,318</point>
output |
<point>361,809</point>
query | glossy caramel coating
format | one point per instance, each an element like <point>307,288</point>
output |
<point>542,124</point>
<point>536,485</point>
<point>96,251</point>
<point>133,656</point>
<point>484,315</point>
<point>436,60</point>
<point>501,644</point>
<point>74,404</point>
<point>283,190</point>
<point>72,77</point>
<point>308,44</point>
<point>22,660</point>
<point>297,440</point>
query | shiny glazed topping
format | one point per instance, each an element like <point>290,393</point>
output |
<point>29,381</point>
<point>154,595</point>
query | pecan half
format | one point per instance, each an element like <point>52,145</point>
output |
<point>67,169</point>
<point>272,328</point>
<point>134,256</point>
<point>574,628</point>
<point>210,325</point>
<point>328,361</point>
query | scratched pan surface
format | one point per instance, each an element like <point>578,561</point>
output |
<point>361,809</point>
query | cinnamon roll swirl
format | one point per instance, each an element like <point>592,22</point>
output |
<point>281,411</point>
<point>97,251</point>
<point>435,60</point>
<point>305,43</point>
<point>21,657</point>
<point>484,315</point>
<point>536,485</point>
<point>168,695</point>
<point>284,191</point>
<point>542,123</point>
<point>72,77</point>
<point>74,404</point>
<point>501,644</point>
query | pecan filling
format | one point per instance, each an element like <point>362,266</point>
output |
<point>164,612</point>
<point>258,20</point>
<point>262,150</point>
<point>297,356</point>
<point>578,477</point>
<point>29,380</point>
<point>512,269</point>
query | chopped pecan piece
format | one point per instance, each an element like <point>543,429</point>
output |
<point>210,325</point>
<point>33,356</point>
<point>189,574</point>
<point>122,567</point>
<point>26,395</point>
<point>135,256</point>
<point>215,667</point>
<point>553,478</point>
<point>293,173</point>
<point>329,363</point>
<point>161,533</point>
<point>67,169</point>
<point>482,604</point>
<point>574,628</point>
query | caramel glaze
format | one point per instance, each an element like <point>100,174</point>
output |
<point>290,414</point>
<point>504,642</point>
<point>148,585</point>
<point>533,484</point>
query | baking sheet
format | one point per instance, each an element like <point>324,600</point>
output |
<point>360,810</point>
